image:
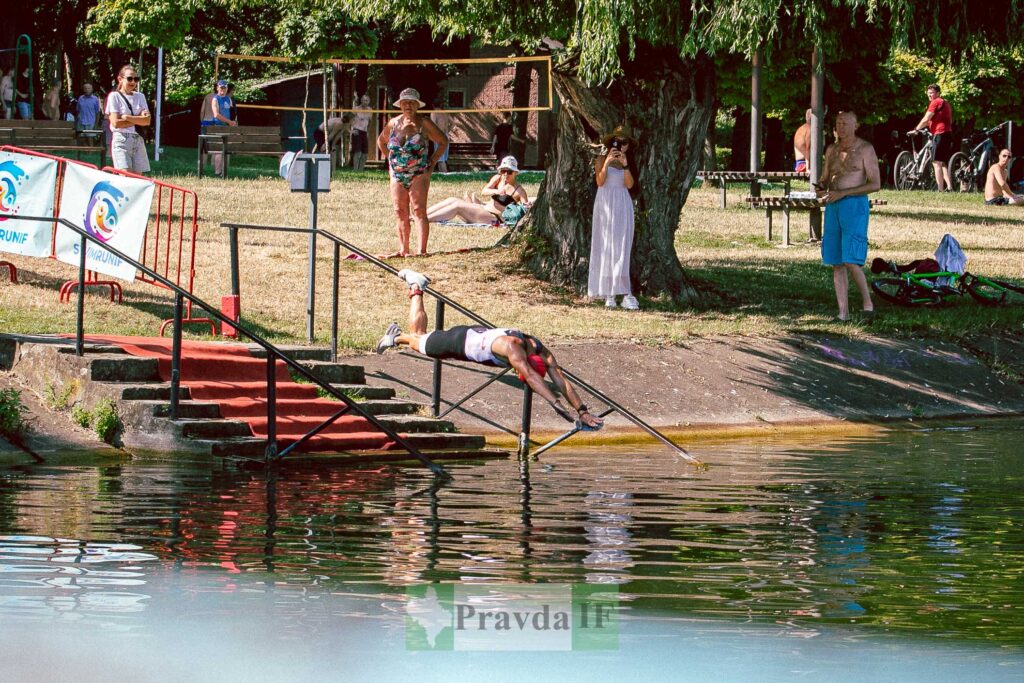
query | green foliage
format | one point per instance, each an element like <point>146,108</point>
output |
<point>58,400</point>
<point>105,421</point>
<point>315,31</point>
<point>12,412</point>
<point>81,416</point>
<point>134,24</point>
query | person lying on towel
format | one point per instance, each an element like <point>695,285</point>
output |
<point>498,347</point>
<point>500,191</point>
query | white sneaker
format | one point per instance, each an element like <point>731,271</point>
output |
<point>414,279</point>
<point>610,302</point>
<point>630,303</point>
<point>388,340</point>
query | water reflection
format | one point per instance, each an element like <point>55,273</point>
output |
<point>910,532</point>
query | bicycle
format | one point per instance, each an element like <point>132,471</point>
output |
<point>968,171</point>
<point>940,288</point>
<point>913,168</point>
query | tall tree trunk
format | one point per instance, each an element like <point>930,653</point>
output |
<point>739,155</point>
<point>668,102</point>
<point>520,119</point>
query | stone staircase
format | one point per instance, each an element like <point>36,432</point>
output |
<point>133,383</point>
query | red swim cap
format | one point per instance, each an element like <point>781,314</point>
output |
<point>538,364</point>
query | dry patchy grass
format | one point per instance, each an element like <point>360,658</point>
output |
<point>750,287</point>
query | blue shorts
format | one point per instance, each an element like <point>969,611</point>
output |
<point>845,238</point>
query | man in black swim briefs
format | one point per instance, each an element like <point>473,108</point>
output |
<point>498,347</point>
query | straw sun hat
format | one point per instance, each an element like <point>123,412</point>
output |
<point>410,94</point>
<point>621,132</point>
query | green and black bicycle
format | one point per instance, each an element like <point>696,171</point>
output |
<point>921,283</point>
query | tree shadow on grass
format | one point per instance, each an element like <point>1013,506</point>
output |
<point>935,216</point>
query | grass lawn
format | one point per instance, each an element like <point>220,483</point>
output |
<point>749,287</point>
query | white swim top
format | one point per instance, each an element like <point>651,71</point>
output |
<point>478,345</point>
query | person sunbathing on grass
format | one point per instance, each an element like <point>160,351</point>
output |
<point>498,347</point>
<point>500,191</point>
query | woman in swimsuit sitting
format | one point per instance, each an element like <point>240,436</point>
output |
<point>404,141</point>
<point>501,190</point>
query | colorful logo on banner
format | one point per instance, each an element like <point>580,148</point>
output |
<point>101,213</point>
<point>11,177</point>
<point>112,208</point>
<point>27,187</point>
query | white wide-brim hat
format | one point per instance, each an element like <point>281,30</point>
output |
<point>509,164</point>
<point>409,94</point>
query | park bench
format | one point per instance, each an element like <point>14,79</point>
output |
<point>787,205</point>
<point>53,136</point>
<point>243,140</point>
<point>471,156</point>
<point>753,178</point>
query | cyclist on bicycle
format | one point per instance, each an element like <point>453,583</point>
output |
<point>938,118</point>
<point>997,188</point>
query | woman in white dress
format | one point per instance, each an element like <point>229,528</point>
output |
<point>612,237</point>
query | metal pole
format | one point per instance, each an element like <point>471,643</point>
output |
<point>817,131</point>
<point>524,431</point>
<point>334,303</point>
<point>176,356</point>
<point>755,121</point>
<point>312,173</point>
<point>159,99</point>
<point>435,393</point>
<point>271,451</point>
<point>80,331</point>
<point>233,242</point>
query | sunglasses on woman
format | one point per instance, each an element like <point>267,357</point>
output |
<point>133,79</point>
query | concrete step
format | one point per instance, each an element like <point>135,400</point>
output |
<point>366,392</point>
<point>336,373</point>
<point>416,423</point>
<point>299,353</point>
<point>187,410</point>
<point>212,428</point>
<point>155,391</point>
<point>390,407</point>
<point>109,367</point>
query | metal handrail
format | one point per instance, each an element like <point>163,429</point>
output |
<point>272,351</point>
<point>443,301</point>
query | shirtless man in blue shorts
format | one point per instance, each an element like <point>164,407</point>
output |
<point>497,347</point>
<point>850,172</point>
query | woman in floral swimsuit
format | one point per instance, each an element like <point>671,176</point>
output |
<point>404,142</point>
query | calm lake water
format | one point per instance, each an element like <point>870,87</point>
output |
<point>892,556</point>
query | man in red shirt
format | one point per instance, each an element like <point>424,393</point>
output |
<point>939,119</point>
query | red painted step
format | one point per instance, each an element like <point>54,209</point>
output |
<point>230,376</point>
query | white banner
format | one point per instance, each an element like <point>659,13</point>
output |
<point>113,209</point>
<point>27,187</point>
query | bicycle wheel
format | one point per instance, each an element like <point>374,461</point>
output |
<point>989,292</point>
<point>898,291</point>
<point>903,171</point>
<point>961,172</point>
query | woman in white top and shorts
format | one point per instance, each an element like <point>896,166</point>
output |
<point>126,108</point>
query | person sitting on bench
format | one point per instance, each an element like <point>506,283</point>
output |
<point>498,347</point>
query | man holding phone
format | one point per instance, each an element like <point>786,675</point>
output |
<point>126,108</point>
<point>850,172</point>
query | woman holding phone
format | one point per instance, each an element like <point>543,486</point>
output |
<point>612,238</point>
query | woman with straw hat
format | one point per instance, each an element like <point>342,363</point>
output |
<point>502,191</point>
<point>612,237</point>
<point>405,143</point>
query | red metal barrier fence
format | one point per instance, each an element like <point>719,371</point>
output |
<point>169,244</point>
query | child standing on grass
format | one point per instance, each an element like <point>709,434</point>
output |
<point>612,238</point>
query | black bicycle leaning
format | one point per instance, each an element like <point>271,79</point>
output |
<point>913,168</point>
<point>968,171</point>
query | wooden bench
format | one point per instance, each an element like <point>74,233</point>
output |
<point>752,178</point>
<point>471,156</point>
<point>53,136</point>
<point>788,204</point>
<point>264,141</point>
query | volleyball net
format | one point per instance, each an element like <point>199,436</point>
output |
<point>474,85</point>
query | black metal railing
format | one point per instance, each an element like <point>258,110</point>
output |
<point>442,302</point>
<point>273,354</point>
